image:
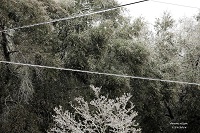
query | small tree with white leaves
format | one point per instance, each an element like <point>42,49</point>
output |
<point>108,115</point>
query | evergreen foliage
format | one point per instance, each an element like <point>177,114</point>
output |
<point>107,42</point>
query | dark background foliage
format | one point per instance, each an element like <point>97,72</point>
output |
<point>107,42</point>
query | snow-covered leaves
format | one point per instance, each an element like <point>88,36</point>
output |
<point>100,115</point>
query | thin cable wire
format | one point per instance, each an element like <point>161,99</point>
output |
<point>175,4</point>
<point>97,12</point>
<point>72,17</point>
<point>101,73</point>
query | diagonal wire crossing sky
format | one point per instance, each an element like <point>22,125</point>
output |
<point>92,13</point>
<point>73,17</point>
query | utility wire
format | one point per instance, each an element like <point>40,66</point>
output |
<point>73,17</point>
<point>175,4</point>
<point>92,13</point>
<point>101,73</point>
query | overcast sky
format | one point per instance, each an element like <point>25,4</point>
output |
<point>151,10</point>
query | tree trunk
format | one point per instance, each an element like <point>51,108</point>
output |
<point>7,49</point>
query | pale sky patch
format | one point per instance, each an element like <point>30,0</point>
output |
<point>151,10</point>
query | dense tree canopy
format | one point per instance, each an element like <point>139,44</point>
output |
<point>107,42</point>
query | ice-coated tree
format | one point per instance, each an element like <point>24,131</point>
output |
<point>98,116</point>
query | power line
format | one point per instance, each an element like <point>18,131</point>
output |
<point>175,4</point>
<point>101,73</point>
<point>72,17</point>
<point>87,14</point>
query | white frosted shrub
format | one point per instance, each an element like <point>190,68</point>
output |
<point>108,115</point>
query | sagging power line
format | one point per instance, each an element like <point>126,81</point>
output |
<point>92,13</point>
<point>101,73</point>
<point>72,17</point>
